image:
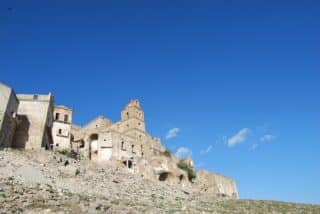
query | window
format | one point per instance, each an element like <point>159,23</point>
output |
<point>132,147</point>
<point>60,131</point>
<point>81,144</point>
<point>35,97</point>
<point>128,114</point>
<point>142,150</point>
<point>57,116</point>
<point>66,118</point>
<point>123,146</point>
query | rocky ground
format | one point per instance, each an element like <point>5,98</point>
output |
<point>46,182</point>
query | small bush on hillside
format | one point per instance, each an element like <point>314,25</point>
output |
<point>167,153</point>
<point>189,169</point>
<point>68,153</point>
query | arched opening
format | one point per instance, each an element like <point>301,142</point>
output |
<point>81,144</point>
<point>165,176</point>
<point>93,146</point>
<point>181,178</point>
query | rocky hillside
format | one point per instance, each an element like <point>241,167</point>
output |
<point>45,182</point>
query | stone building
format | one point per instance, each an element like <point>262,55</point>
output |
<point>31,121</point>
<point>61,129</point>
<point>35,121</point>
<point>126,140</point>
<point>8,115</point>
<point>25,119</point>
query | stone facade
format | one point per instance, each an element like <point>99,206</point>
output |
<point>215,183</point>
<point>8,115</point>
<point>35,115</point>
<point>126,140</point>
<point>25,119</point>
<point>31,121</point>
<point>61,129</point>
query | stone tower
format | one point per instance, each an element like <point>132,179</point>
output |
<point>133,116</point>
<point>61,129</point>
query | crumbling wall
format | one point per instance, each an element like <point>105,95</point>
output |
<point>61,129</point>
<point>215,184</point>
<point>8,115</point>
<point>36,121</point>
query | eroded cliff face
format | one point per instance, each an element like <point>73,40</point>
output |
<point>207,184</point>
<point>215,184</point>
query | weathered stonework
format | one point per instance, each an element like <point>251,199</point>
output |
<point>61,129</point>
<point>35,115</point>
<point>215,183</point>
<point>8,115</point>
<point>125,141</point>
<point>33,122</point>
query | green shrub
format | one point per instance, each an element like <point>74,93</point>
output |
<point>68,153</point>
<point>167,153</point>
<point>189,169</point>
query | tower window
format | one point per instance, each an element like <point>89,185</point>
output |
<point>35,97</point>
<point>66,118</point>
<point>132,147</point>
<point>123,146</point>
<point>128,114</point>
<point>60,131</point>
<point>57,116</point>
<point>82,144</point>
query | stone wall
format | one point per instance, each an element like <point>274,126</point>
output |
<point>215,184</point>
<point>8,115</point>
<point>36,114</point>
<point>61,129</point>
<point>128,144</point>
<point>98,123</point>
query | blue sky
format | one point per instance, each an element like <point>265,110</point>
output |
<point>237,81</point>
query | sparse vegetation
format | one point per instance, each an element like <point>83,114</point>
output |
<point>94,192</point>
<point>189,169</point>
<point>69,153</point>
<point>167,153</point>
<point>51,189</point>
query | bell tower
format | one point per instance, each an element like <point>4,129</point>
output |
<point>133,115</point>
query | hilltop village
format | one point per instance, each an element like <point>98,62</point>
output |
<point>34,122</point>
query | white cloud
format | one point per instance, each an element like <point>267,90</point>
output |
<point>172,133</point>
<point>183,152</point>
<point>209,148</point>
<point>267,138</point>
<point>239,137</point>
<point>253,147</point>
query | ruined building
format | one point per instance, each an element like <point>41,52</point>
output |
<point>61,128</point>
<point>31,121</point>
<point>26,119</point>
